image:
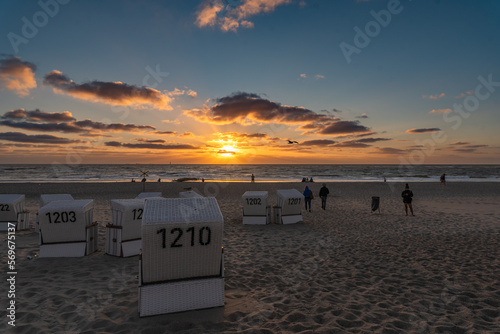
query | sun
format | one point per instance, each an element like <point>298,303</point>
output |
<point>228,151</point>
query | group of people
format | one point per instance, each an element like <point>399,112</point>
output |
<point>407,196</point>
<point>306,179</point>
<point>308,196</point>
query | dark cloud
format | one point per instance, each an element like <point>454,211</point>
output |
<point>151,141</point>
<point>151,146</point>
<point>342,127</point>
<point>423,130</point>
<point>460,143</point>
<point>169,133</point>
<point>113,126</point>
<point>24,138</point>
<point>17,75</point>
<point>248,108</point>
<point>114,93</point>
<point>466,147</point>
<point>363,116</point>
<point>244,107</point>
<point>371,140</point>
<point>38,115</point>
<point>318,142</point>
<point>371,133</point>
<point>476,146</point>
<point>46,127</point>
<point>42,121</point>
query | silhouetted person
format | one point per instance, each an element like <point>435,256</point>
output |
<point>159,180</point>
<point>323,194</point>
<point>407,195</point>
<point>443,179</point>
<point>253,178</point>
<point>308,195</point>
<point>311,180</point>
<point>133,180</point>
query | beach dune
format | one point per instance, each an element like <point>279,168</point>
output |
<point>342,270</point>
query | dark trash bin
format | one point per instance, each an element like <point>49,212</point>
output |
<point>375,203</point>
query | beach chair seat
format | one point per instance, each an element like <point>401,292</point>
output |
<point>181,265</point>
<point>67,228</point>
<point>123,235</point>
<point>289,206</point>
<point>13,213</point>
<point>256,209</point>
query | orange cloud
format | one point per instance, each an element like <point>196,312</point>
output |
<point>17,75</point>
<point>207,15</point>
<point>433,97</point>
<point>461,95</point>
<point>177,92</point>
<point>114,93</point>
<point>230,17</point>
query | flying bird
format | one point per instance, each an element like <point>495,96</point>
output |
<point>292,142</point>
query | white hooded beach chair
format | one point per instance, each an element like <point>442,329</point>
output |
<point>67,228</point>
<point>46,199</point>
<point>289,206</point>
<point>123,235</point>
<point>255,208</point>
<point>181,265</point>
<point>13,213</point>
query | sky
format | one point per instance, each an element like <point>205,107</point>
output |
<point>250,81</point>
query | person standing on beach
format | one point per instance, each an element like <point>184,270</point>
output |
<point>308,195</point>
<point>253,178</point>
<point>443,179</point>
<point>407,195</point>
<point>323,193</point>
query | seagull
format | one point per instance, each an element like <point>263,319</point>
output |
<point>292,142</point>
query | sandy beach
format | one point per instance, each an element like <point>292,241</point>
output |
<point>341,270</point>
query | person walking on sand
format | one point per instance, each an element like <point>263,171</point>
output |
<point>443,179</point>
<point>253,178</point>
<point>407,195</point>
<point>308,195</point>
<point>323,193</point>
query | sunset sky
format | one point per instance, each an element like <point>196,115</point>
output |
<point>232,81</point>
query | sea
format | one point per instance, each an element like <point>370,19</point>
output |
<point>242,173</point>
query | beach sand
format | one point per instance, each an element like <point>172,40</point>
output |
<point>343,270</point>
